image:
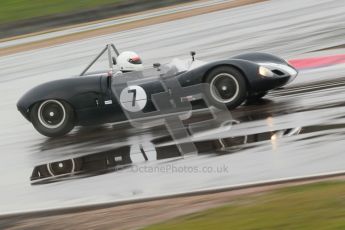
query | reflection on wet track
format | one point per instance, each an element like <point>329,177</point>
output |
<point>262,145</point>
<point>275,125</point>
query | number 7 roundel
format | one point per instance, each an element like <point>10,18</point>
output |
<point>133,98</point>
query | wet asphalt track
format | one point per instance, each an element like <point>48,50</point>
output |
<point>286,28</point>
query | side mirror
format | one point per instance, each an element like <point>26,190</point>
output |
<point>193,53</point>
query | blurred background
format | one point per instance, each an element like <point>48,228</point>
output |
<point>281,165</point>
<point>18,17</point>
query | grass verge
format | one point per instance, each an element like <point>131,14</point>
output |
<point>125,26</point>
<point>16,10</point>
<point>313,206</point>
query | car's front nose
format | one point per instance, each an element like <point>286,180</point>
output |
<point>281,70</point>
<point>274,75</point>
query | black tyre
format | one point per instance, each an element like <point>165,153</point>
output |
<point>52,118</point>
<point>256,96</point>
<point>227,86</point>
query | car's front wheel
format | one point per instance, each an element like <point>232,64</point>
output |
<point>227,86</point>
<point>52,118</point>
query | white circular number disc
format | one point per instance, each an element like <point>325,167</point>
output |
<point>133,98</point>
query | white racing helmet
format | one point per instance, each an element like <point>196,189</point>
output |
<point>129,61</point>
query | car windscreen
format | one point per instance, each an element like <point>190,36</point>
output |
<point>170,69</point>
<point>175,66</point>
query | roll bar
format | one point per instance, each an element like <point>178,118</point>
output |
<point>111,58</point>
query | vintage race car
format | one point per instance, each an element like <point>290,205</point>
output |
<point>54,108</point>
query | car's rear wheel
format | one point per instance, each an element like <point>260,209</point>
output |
<point>52,118</point>
<point>226,86</point>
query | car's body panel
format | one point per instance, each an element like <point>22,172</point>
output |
<point>70,90</point>
<point>260,57</point>
<point>94,101</point>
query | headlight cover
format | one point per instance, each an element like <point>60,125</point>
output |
<point>263,71</point>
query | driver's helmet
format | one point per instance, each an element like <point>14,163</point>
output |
<point>129,61</point>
